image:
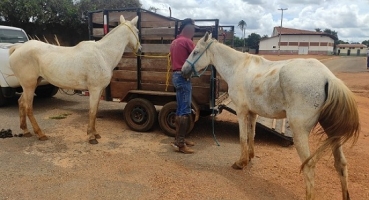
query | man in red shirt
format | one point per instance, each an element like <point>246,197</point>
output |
<point>180,49</point>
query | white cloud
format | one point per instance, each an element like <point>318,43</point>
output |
<point>349,18</point>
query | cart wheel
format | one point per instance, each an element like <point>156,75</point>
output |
<point>167,116</point>
<point>140,114</point>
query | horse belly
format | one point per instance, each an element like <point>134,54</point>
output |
<point>265,95</point>
<point>266,108</point>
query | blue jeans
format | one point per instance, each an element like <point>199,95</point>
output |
<point>183,93</point>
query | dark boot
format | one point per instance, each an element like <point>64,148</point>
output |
<point>188,142</point>
<point>182,123</point>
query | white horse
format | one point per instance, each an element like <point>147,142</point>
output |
<point>303,90</point>
<point>86,66</point>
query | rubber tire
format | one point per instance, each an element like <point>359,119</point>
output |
<point>167,116</point>
<point>47,92</point>
<point>140,114</point>
<point>3,100</point>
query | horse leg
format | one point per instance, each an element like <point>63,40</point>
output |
<point>301,142</point>
<point>27,105</point>
<point>251,123</point>
<point>95,95</point>
<point>244,159</point>
<point>22,116</point>
<point>340,164</point>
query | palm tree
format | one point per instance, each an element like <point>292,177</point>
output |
<point>242,24</point>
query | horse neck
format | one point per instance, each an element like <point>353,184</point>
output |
<point>113,44</point>
<point>226,60</point>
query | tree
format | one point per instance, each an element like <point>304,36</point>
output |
<point>334,34</point>
<point>242,25</point>
<point>366,42</point>
<point>89,5</point>
<point>19,11</point>
<point>153,9</point>
<point>342,42</point>
<point>264,37</point>
<point>318,30</point>
<point>253,41</point>
<point>329,31</point>
<point>38,11</point>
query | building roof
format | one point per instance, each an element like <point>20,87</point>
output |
<point>292,31</point>
<point>352,45</point>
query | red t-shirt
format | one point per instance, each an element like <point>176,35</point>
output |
<point>180,49</point>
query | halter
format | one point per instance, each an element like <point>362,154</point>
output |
<point>137,40</point>
<point>196,74</point>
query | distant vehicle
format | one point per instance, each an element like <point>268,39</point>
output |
<point>9,84</point>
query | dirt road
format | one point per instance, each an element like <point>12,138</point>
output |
<point>132,165</point>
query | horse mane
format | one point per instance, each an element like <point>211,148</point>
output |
<point>249,57</point>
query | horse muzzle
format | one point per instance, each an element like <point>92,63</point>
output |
<point>186,71</point>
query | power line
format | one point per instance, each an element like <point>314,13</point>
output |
<point>280,31</point>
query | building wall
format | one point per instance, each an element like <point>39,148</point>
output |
<point>343,51</point>
<point>290,44</point>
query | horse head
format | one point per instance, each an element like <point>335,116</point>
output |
<point>133,40</point>
<point>199,57</point>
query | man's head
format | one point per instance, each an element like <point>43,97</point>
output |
<point>187,28</point>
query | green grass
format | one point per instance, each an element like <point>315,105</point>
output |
<point>61,116</point>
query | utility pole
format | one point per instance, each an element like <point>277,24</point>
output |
<point>280,30</point>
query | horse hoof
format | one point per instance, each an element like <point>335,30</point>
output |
<point>93,141</point>
<point>27,134</point>
<point>97,136</point>
<point>43,138</point>
<point>236,166</point>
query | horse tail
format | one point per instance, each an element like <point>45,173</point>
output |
<point>339,118</point>
<point>13,48</point>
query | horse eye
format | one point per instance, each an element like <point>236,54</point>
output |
<point>195,53</point>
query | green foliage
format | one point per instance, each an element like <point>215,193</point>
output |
<point>90,5</point>
<point>253,41</point>
<point>329,31</point>
<point>342,42</point>
<point>366,42</point>
<point>242,25</point>
<point>237,42</point>
<point>18,10</point>
<point>60,17</point>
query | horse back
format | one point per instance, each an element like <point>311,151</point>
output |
<point>303,83</point>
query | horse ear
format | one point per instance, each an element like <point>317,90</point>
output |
<point>134,21</point>
<point>122,20</point>
<point>206,37</point>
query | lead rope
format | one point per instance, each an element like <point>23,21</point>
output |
<point>167,78</point>
<point>213,110</point>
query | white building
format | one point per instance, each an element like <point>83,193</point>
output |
<point>295,41</point>
<point>351,49</point>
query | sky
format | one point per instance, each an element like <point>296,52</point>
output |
<point>350,18</point>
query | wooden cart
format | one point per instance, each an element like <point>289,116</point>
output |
<point>144,81</point>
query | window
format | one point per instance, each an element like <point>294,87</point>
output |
<point>12,36</point>
<point>273,47</point>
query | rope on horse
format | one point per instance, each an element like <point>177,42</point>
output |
<point>213,110</point>
<point>167,84</point>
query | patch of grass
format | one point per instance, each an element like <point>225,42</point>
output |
<point>61,116</point>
